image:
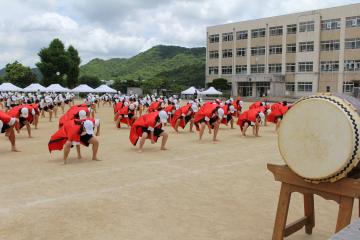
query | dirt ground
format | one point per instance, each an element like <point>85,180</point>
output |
<point>195,190</point>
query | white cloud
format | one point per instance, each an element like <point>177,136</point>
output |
<point>123,28</point>
<point>48,22</point>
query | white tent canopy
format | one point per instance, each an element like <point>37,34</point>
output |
<point>105,89</point>
<point>34,87</point>
<point>56,88</point>
<point>9,87</point>
<point>83,88</point>
<point>190,91</point>
<point>211,91</point>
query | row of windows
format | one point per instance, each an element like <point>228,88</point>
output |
<point>348,87</point>
<point>325,66</point>
<point>331,24</point>
<point>260,68</point>
<point>309,26</point>
<point>301,87</point>
<point>331,45</point>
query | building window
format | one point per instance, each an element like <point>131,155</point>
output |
<point>241,69</point>
<point>276,31</point>
<point>213,54</point>
<point>348,87</point>
<point>353,43</point>
<point>330,66</point>
<point>213,70</point>
<point>262,89</point>
<point>353,21</point>
<point>305,66</point>
<point>245,89</point>
<point>330,45</point>
<point>306,46</point>
<point>275,68</point>
<point>275,49</point>
<point>304,86</point>
<point>290,67</point>
<point>258,68</point>
<point>257,33</point>
<point>226,69</point>
<point>352,65</point>
<point>307,26</point>
<point>290,87</point>
<point>241,35</point>
<point>227,53</point>
<point>291,29</point>
<point>241,52</point>
<point>331,24</point>
<point>291,48</point>
<point>214,38</point>
<point>227,37</point>
<point>257,51</point>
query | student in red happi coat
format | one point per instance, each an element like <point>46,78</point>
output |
<point>229,112</point>
<point>209,115</point>
<point>25,114</point>
<point>149,126</point>
<point>126,115</point>
<point>252,117</point>
<point>7,124</point>
<point>278,110</point>
<point>184,115</point>
<point>75,132</point>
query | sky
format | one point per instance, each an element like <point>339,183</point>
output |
<point>123,28</point>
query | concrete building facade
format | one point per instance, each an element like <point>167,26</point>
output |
<point>291,55</point>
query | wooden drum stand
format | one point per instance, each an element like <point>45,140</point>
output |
<point>344,192</point>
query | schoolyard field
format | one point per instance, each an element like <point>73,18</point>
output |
<point>194,191</point>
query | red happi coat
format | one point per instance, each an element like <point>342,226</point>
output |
<point>255,105</point>
<point>155,106</point>
<point>249,115</point>
<point>169,110</point>
<point>125,111</point>
<point>4,117</point>
<point>207,110</point>
<point>144,121</point>
<point>118,106</point>
<point>277,110</point>
<point>70,131</point>
<point>183,111</point>
<point>237,107</point>
<point>15,112</point>
<point>226,112</point>
<point>35,106</point>
<point>70,114</point>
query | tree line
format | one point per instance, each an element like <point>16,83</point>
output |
<point>57,65</point>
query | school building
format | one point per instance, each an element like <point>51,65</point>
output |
<point>291,55</point>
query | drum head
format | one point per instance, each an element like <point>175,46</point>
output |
<point>316,138</point>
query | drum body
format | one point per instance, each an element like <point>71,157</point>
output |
<point>319,137</point>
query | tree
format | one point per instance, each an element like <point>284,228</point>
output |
<point>19,75</point>
<point>149,85</point>
<point>1,79</point>
<point>92,81</point>
<point>220,84</point>
<point>74,69</point>
<point>119,85</point>
<point>54,63</point>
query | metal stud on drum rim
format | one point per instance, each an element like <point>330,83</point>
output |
<point>319,138</point>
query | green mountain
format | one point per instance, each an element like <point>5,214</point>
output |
<point>171,65</point>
